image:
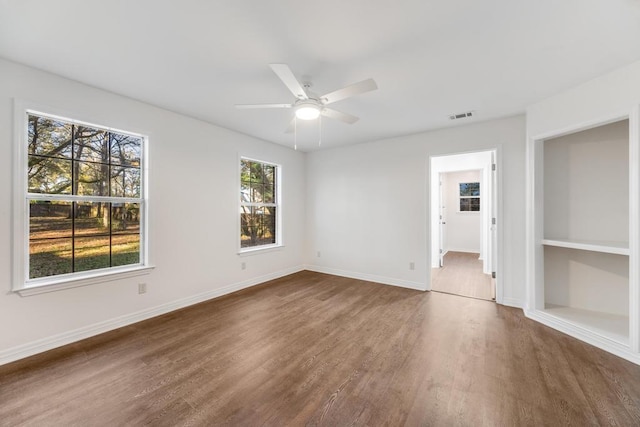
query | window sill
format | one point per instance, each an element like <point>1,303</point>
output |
<point>58,284</point>
<point>260,249</point>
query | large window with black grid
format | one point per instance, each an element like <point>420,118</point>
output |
<point>85,198</point>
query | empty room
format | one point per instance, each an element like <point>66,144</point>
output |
<point>289,213</point>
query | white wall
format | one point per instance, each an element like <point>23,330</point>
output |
<point>614,93</point>
<point>193,178</point>
<point>368,204</point>
<point>463,228</point>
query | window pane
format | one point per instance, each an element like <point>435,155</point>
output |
<point>247,226</point>
<point>245,192</point>
<point>256,193</point>
<point>49,257</point>
<point>256,172</point>
<point>49,175</point>
<point>250,225</point>
<point>91,219</point>
<point>470,204</point>
<point>50,231</point>
<point>48,220</point>
<point>258,226</point>
<point>91,253</point>
<point>125,249</point>
<point>469,189</point>
<point>269,225</point>
<point>245,171</point>
<point>91,145</point>
<point>48,137</point>
<point>125,218</point>
<point>125,181</point>
<point>268,195</point>
<point>92,179</point>
<point>269,173</point>
<point>125,149</point>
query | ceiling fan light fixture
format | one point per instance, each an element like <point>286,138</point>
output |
<point>307,111</point>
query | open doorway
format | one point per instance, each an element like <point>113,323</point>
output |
<point>463,224</point>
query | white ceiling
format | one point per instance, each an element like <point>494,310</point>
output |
<point>429,58</point>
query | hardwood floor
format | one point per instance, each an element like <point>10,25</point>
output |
<point>314,349</point>
<point>462,275</point>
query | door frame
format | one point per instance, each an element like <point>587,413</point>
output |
<point>496,245</point>
<point>442,221</point>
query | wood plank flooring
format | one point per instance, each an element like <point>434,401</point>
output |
<point>314,349</point>
<point>462,275</point>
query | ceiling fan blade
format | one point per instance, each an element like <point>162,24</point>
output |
<point>338,115</point>
<point>286,75</point>
<point>247,106</point>
<point>349,91</point>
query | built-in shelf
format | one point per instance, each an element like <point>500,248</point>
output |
<point>584,204</point>
<point>612,326</point>
<point>616,248</point>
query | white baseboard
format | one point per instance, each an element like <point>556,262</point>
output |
<point>368,277</point>
<point>42,345</point>
<point>512,302</point>
<point>583,334</point>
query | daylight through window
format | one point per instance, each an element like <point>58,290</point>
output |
<point>85,197</point>
<point>469,196</point>
<point>259,189</point>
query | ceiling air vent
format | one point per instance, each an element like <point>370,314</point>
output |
<point>461,115</point>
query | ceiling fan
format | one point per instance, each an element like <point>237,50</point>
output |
<point>308,106</point>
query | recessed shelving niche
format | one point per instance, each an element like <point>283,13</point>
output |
<point>584,278</point>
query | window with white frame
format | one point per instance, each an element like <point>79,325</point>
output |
<point>84,200</point>
<point>259,204</point>
<point>469,196</point>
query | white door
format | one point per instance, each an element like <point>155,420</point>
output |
<point>494,226</point>
<point>443,219</point>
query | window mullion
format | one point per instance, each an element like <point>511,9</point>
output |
<point>255,204</point>
<point>77,198</point>
<point>74,206</point>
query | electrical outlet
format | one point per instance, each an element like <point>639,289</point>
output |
<point>412,265</point>
<point>142,288</point>
<point>243,265</point>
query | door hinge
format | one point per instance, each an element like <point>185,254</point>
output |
<point>493,274</point>
<point>493,221</point>
<point>493,167</point>
<point>440,250</point>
